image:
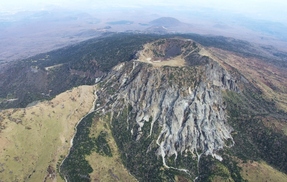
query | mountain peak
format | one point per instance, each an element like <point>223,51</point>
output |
<point>171,52</point>
<point>166,21</point>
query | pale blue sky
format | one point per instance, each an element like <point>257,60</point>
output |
<point>260,9</point>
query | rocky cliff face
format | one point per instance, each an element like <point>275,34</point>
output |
<point>184,104</point>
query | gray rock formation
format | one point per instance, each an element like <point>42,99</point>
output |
<point>220,77</point>
<point>186,103</point>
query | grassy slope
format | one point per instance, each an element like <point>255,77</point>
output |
<point>59,70</point>
<point>42,136</point>
<point>258,115</point>
<point>260,171</point>
<point>254,139</point>
<point>94,155</point>
<point>269,78</point>
<point>106,168</point>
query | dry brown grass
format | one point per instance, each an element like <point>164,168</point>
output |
<point>107,168</point>
<point>36,137</point>
<point>278,125</point>
<point>260,171</point>
<point>221,179</point>
<point>271,80</point>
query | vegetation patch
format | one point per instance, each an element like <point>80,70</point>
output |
<point>75,167</point>
<point>253,140</point>
<point>102,146</point>
<point>106,167</point>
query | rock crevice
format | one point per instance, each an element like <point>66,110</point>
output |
<point>189,111</point>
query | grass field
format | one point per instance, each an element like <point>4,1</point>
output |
<point>34,139</point>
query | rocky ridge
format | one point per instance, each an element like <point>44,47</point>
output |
<point>185,103</point>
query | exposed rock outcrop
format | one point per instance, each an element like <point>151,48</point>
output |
<point>220,77</point>
<point>185,102</point>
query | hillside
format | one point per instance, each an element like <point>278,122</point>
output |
<point>167,108</point>
<point>35,139</point>
<point>46,75</point>
<point>165,25</point>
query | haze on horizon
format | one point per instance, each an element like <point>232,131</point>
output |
<point>29,27</point>
<point>271,10</point>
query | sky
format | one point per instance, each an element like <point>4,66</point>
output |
<point>274,10</point>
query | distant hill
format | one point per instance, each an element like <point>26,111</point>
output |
<point>166,21</point>
<point>168,25</point>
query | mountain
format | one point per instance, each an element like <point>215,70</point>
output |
<point>46,75</point>
<point>166,22</point>
<point>165,25</point>
<point>176,107</point>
